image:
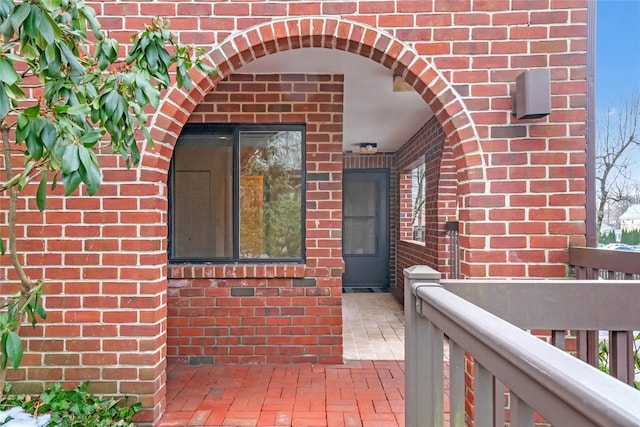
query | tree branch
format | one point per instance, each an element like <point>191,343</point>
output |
<point>26,283</point>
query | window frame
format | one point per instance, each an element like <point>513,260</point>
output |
<point>235,129</point>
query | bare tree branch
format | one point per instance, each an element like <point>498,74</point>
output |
<point>618,141</point>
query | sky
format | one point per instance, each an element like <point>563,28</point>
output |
<point>617,51</point>
<point>618,61</point>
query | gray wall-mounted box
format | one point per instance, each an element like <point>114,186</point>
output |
<point>532,98</point>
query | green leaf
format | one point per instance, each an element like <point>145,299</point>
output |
<point>52,57</point>
<point>6,29</point>
<point>6,7</point>
<point>152,56</point>
<point>135,153</point>
<point>3,347</point>
<point>93,179</point>
<point>79,109</point>
<point>48,135</point>
<point>72,60</point>
<point>3,249</point>
<point>41,311</point>
<point>14,349</point>
<point>8,74</point>
<point>85,157</point>
<point>71,182</point>
<point>47,30</point>
<point>110,102</point>
<point>28,51</point>
<point>14,91</point>
<point>32,111</point>
<point>61,109</point>
<point>20,13</point>
<point>103,61</point>
<point>150,91</point>
<point>52,4</point>
<point>90,15</point>
<point>147,135</point>
<point>38,124</point>
<point>112,50</point>
<point>41,194</point>
<point>70,159</point>
<point>89,139</point>
<point>31,25</point>
<point>4,103</point>
<point>90,90</point>
<point>118,111</point>
<point>34,145</point>
<point>28,168</point>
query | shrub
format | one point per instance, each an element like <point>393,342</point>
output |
<point>71,408</point>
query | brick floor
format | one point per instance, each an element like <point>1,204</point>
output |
<point>358,393</point>
<point>364,392</point>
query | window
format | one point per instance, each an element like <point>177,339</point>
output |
<point>236,194</point>
<point>418,205</point>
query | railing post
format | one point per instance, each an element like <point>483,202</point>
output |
<point>412,276</point>
<point>456,385</point>
<point>558,339</point>
<point>588,347</point>
<point>521,412</point>
<point>621,356</point>
<point>483,412</point>
<point>429,373</point>
<point>498,402</point>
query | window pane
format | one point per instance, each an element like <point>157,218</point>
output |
<point>360,236</point>
<point>360,202</point>
<point>270,194</point>
<point>202,223</point>
<point>418,203</point>
<point>360,198</point>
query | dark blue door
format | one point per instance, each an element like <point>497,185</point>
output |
<point>365,234</point>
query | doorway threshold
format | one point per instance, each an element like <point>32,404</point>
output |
<point>364,290</point>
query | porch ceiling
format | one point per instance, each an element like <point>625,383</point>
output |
<point>373,112</point>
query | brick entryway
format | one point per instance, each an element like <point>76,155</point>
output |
<point>358,393</point>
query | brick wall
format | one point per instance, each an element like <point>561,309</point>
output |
<point>463,58</point>
<point>520,184</point>
<point>428,147</point>
<point>271,313</point>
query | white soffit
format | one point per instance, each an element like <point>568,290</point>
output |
<point>373,113</point>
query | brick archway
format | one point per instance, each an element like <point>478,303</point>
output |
<point>330,33</point>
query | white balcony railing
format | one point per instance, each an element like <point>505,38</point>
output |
<point>487,320</point>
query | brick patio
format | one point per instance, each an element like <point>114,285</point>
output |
<point>361,392</point>
<point>358,393</point>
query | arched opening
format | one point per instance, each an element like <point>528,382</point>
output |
<point>295,314</point>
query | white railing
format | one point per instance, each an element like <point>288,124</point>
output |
<point>539,377</point>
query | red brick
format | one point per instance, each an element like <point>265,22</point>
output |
<point>377,7</point>
<point>457,6</point>
<point>507,270</point>
<point>451,34</point>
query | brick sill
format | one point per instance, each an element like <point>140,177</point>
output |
<point>235,271</point>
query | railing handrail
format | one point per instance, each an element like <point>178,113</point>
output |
<point>563,389</point>
<point>604,259</point>
<point>558,304</point>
